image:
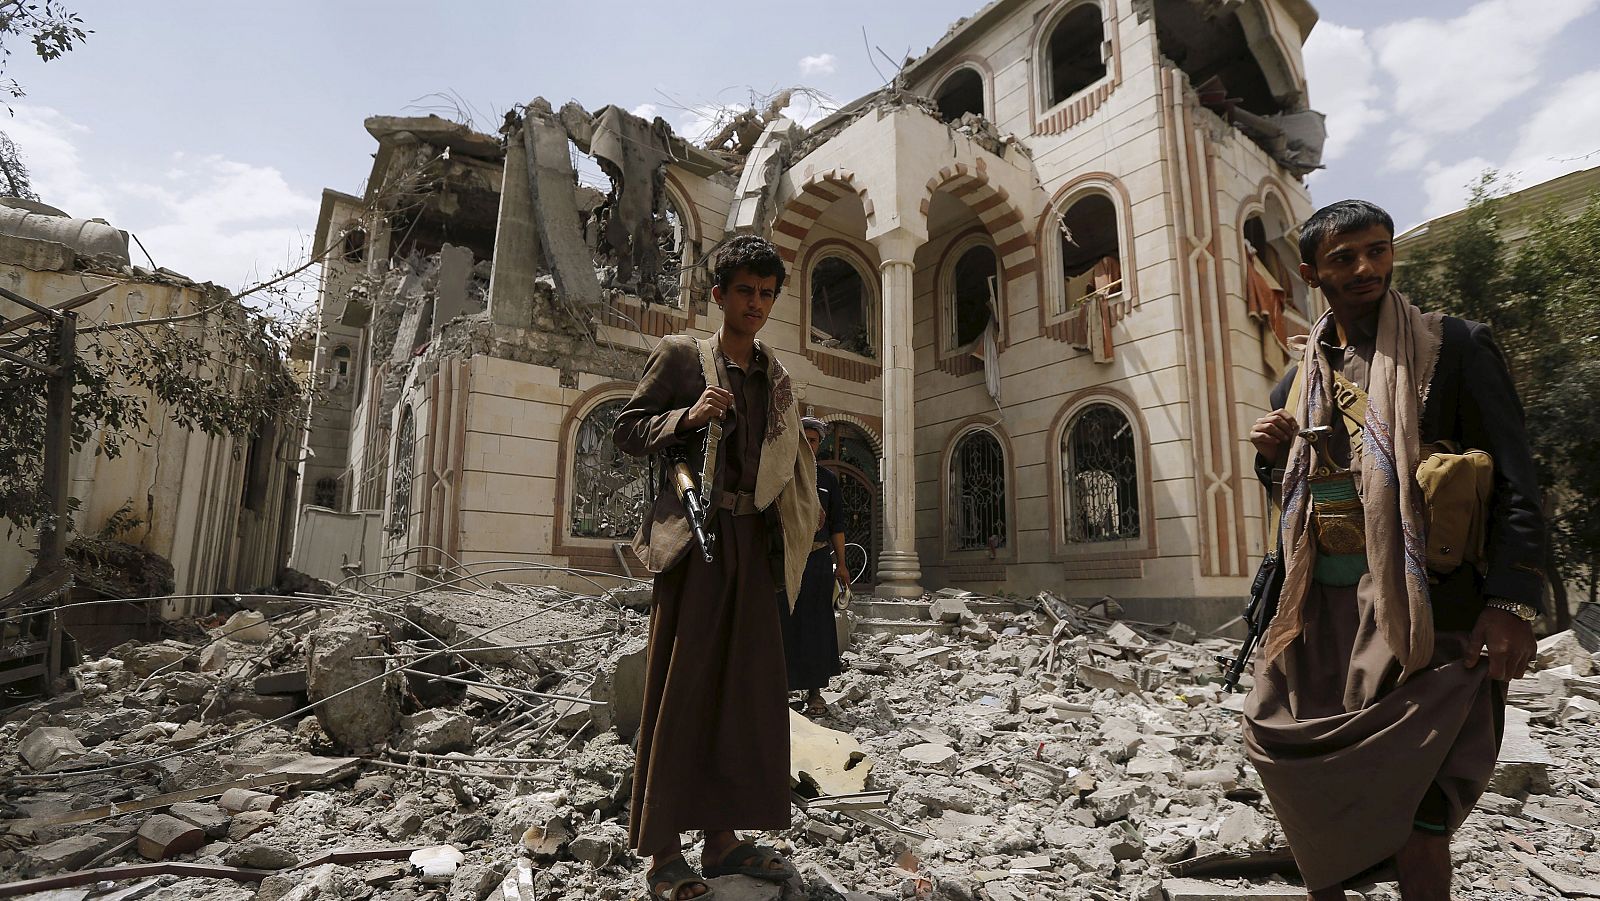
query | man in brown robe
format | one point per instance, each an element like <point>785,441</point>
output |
<point>713,749</point>
<point>1374,723</point>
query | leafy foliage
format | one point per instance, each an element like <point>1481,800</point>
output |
<point>52,29</point>
<point>218,370</point>
<point>1541,295</point>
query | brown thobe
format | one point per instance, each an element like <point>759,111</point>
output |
<point>714,739</point>
<point>1353,761</point>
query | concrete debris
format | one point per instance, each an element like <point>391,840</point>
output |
<point>360,704</point>
<point>975,748</point>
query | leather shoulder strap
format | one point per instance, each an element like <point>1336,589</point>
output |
<point>708,466</point>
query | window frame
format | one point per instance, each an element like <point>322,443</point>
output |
<point>946,293</point>
<point>951,553</point>
<point>870,301</point>
<point>1114,559</point>
<point>1043,66</point>
<point>1056,307</point>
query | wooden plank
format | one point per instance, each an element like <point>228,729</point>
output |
<point>33,591</point>
<point>154,802</point>
<point>23,651</point>
<point>22,672</point>
<point>134,871</point>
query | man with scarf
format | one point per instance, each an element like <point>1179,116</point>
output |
<point>713,751</point>
<point>1379,693</point>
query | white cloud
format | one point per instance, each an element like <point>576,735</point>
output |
<point>646,111</point>
<point>208,217</point>
<point>821,64</point>
<point>1446,188</point>
<point>1562,135</point>
<point>1452,74</point>
<point>1341,70</point>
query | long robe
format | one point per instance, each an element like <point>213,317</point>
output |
<point>810,638</point>
<point>714,738</point>
<point>1352,759</point>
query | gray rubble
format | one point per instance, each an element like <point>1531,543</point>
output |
<point>976,748</point>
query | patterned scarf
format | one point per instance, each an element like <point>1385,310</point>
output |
<point>1403,359</point>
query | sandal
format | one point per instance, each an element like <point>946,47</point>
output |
<point>675,874</point>
<point>816,707</point>
<point>753,860</point>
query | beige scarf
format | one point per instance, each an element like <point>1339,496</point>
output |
<point>1406,350</point>
<point>788,472</point>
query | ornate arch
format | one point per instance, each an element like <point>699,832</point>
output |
<point>816,194</point>
<point>977,64</point>
<point>993,207</point>
<point>840,364</point>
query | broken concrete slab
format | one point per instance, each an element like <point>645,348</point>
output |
<point>825,762</point>
<point>555,210</point>
<point>49,746</point>
<point>436,731</point>
<point>360,700</point>
<point>70,853</point>
<point>210,818</point>
<point>451,286</point>
<point>1524,763</point>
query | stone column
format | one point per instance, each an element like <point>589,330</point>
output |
<point>899,571</point>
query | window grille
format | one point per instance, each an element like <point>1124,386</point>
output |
<point>405,445</point>
<point>608,486</point>
<point>1100,476</point>
<point>978,493</point>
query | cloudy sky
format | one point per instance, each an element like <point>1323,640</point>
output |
<point>209,129</point>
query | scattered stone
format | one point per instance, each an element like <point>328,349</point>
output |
<point>210,818</point>
<point>49,746</point>
<point>248,626</point>
<point>927,754</point>
<point>238,800</point>
<point>71,853</point>
<point>164,836</point>
<point>256,856</point>
<point>401,824</point>
<point>436,731</point>
<point>361,705</point>
<point>249,823</point>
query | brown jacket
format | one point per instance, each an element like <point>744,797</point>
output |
<point>786,480</point>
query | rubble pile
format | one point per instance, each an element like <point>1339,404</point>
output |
<point>469,745</point>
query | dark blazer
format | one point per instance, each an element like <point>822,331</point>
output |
<point>1473,402</point>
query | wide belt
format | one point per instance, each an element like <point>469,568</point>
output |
<point>739,503</point>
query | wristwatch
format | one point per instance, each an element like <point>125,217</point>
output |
<point>1525,612</point>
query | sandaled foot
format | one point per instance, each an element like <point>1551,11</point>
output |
<point>753,860</point>
<point>816,706</point>
<point>676,881</point>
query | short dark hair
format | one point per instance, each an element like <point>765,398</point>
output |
<point>1337,219</point>
<point>751,252</point>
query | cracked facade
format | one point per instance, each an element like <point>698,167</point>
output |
<point>1041,285</point>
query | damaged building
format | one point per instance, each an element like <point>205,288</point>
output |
<point>1040,286</point>
<point>178,511</point>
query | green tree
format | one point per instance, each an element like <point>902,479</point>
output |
<point>1541,295</point>
<point>14,178</point>
<point>47,24</point>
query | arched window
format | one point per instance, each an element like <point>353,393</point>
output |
<point>1074,55</point>
<point>973,298</point>
<point>339,372</point>
<point>1276,255</point>
<point>959,94</point>
<point>354,248</point>
<point>1100,476</point>
<point>840,310</point>
<point>1091,252</point>
<point>978,493</point>
<point>608,486</point>
<point>405,443</point>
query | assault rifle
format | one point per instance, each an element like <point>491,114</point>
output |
<point>683,481</point>
<point>1257,615</point>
